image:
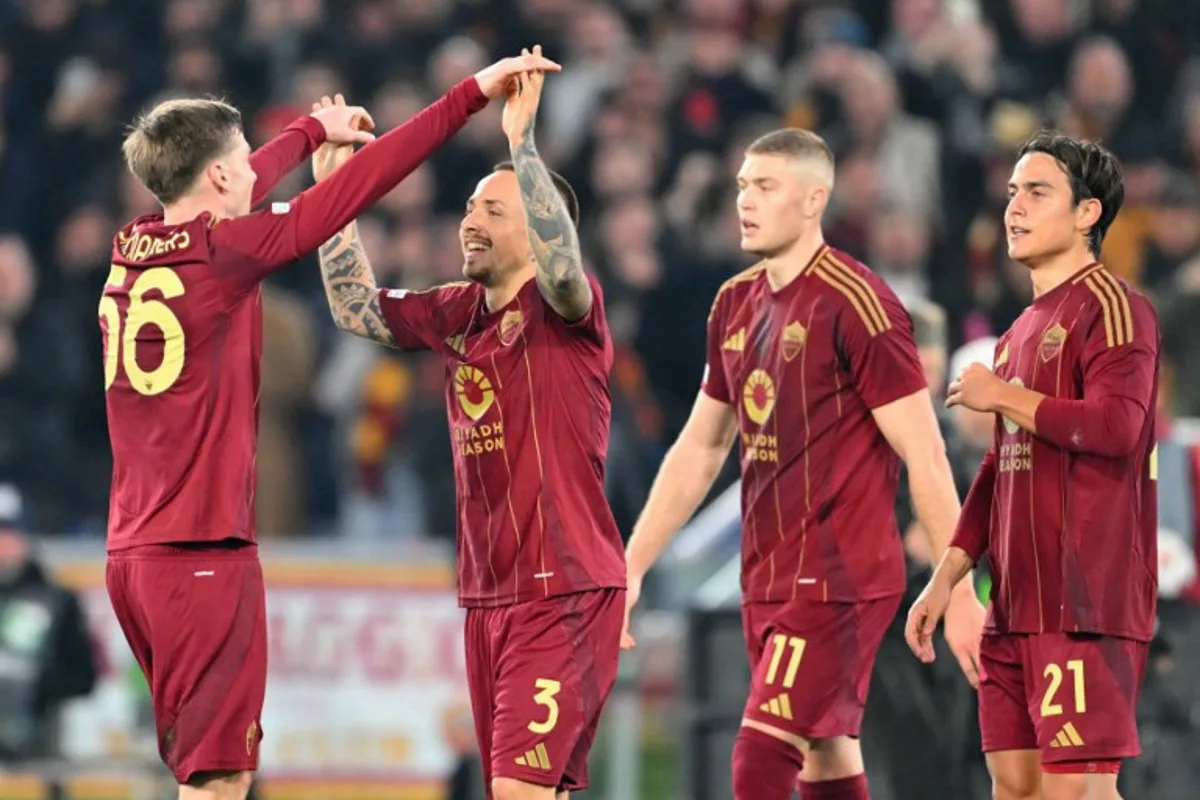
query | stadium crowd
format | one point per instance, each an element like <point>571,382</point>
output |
<point>923,101</point>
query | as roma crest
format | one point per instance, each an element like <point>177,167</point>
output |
<point>510,326</point>
<point>1052,342</point>
<point>792,340</point>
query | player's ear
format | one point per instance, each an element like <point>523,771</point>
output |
<point>815,203</point>
<point>1087,213</point>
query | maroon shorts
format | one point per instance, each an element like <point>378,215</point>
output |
<point>1071,696</point>
<point>196,621</point>
<point>539,673</point>
<point>812,663</point>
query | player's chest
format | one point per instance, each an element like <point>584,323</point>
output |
<point>489,370</point>
<point>1039,353</point>
<point>779,358</point>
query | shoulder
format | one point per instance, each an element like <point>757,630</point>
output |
<point>858,291</point>
<point>1110,304</point>
<point>453,292</point>
<point>735,289</point>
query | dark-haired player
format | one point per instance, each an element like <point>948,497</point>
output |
<point>1065,502</point>
<point>527,353</point>
<point>813,369</point>
<point>181,317</point>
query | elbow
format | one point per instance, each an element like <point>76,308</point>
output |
<point>1123,421</point>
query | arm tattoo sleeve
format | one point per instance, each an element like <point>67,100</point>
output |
<point>553,236</point>
<point>350,287</point>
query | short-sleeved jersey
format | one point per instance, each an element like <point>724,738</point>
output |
<point>529,407</point>
<point>803,367</point>
<point>1073,539</point>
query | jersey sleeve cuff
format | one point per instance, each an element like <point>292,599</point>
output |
<point>1057,420</point>
<point>312,129</point>
<point>468,93</point>
<point>895,391</point>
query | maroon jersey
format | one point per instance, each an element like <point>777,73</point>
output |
<point>181,318</point>
<point>528,402</point>
<point>1071,521</point>
<point>803,367</point>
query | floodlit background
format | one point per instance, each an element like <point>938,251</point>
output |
<point>924,103</point>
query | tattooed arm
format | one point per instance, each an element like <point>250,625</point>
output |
<point>350,287</point>
<point>552,233</point>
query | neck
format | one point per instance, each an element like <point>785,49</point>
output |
<point>500,295</point>
<point>782,268</point>
<point>186,209</point>
<point>1052,273</point>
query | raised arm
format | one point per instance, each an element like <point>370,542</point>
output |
<point>350,287</point>
<point>282,154</point>
<point>552,234</point>
<point>255,245</point>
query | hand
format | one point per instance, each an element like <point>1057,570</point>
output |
<point>344,124</point>
<point>923,618</point>
<point>495,80</point>
<point>633,591</point>
<point>521,105</point>
<point>329,156</point>
<point>977,388</point>
<point>964,629</point>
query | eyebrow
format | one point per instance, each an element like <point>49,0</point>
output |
<point>1031,185</point>
<point>488,203</point>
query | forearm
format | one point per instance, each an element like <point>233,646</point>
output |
<point>953,567</point>
<point>974,523</point>
<point>684,480</point>
<point>350,287</point>
<point>1105,426</point>
<point>934,499</point>
<point>379,166</point>
<point>552,233</point>
<point>284,153</point>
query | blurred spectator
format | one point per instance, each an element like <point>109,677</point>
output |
<point>45,654</point>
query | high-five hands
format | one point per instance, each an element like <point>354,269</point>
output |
<point>344,124</point>
<point>332,154</point>
<point>522,97</point>
<point>496,80</point>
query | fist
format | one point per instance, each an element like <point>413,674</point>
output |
<point>977,388</point>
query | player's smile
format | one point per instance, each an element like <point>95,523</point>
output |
<point>475,246</point>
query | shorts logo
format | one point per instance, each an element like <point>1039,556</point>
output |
<point>510,325</point>
<point>1052,342</point>
<point>1067,737</point>
<point>758,398</point>
<point>792,341</point>
<point>473,390</point>
<point>251,737</point>
<point>778,706</point>
<point>1011,427</point>
<point>537,758</point>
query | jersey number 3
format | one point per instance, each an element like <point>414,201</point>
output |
<point>121,335</point>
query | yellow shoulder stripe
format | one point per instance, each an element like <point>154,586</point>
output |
<point>855,289</point>
<point>1114,303</point>
<point>741,277</point>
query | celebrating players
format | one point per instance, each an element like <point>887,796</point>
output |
<point>527,353</point>
<point>181,319</point>
<point>812,367</point>
<point>1065,501</point>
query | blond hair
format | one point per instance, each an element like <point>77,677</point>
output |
<point>169,146</point>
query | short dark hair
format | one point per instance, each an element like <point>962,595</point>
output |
<point>169,146</point>
<point>564,189</point>
<point>1093,172</point>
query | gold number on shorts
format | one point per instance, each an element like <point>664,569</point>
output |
<point>122,347</point>
<point>547,689</point>
<point>781,642</point>
<point>1055,674</point>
